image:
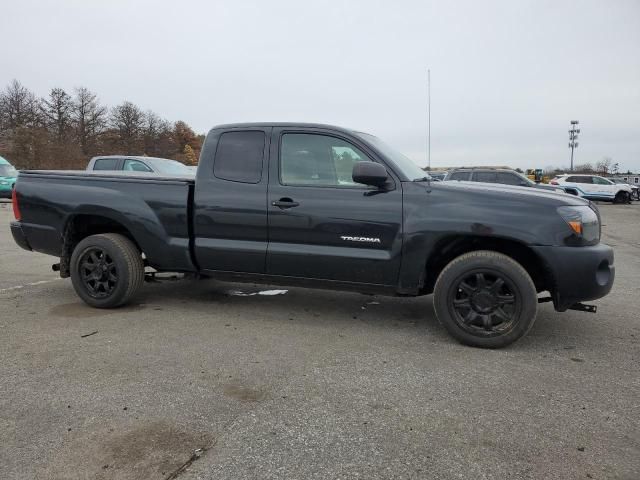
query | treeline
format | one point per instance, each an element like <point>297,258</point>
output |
<point>65,129</point>
<point>604,167</point>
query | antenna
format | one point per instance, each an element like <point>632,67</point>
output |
<point>429,119</point>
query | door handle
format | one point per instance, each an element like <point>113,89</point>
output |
<point>284,203</point>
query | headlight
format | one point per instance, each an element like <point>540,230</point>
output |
<point>4,182</point>
<point>583,222</point>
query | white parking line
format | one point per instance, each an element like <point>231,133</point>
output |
<point>32,284</point>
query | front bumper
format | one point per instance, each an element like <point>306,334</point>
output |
<point>19,236</point>
<point>578,273</point>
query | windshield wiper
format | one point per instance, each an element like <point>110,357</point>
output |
<point>422,179</point>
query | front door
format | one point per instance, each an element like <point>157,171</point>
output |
<point>603,188</point>
<point>322,225</point>
<point>230,204</point>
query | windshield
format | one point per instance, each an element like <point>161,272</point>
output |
<point>525,179</point>
<point>405,164</point>
<point>172,167</point>
<point>8,171</point>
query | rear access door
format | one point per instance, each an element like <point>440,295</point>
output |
<point>230,204</point>
<point>322,225</point>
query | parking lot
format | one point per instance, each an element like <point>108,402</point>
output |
<point>198,379</point>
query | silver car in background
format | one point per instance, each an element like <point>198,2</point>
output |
<point>129,163</point>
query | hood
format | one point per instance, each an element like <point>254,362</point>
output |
<point>534,195</point>
<point>543,186</point>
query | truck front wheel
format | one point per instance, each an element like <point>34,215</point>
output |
<point>485,299</point>
<point>106,270</point>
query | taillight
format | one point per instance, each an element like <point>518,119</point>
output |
<point>553,182</point>
<point>14,202</point>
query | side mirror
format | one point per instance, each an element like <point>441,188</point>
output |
<point>370,173</point>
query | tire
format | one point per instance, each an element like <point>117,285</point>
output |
<point>463,303</point>
<point>621,197</point>
<point>107,270</point>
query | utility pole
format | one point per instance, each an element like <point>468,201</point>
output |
<point>573,138</point>
<point>429,120</point>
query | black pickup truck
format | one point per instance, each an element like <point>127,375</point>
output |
<point>321,206</point>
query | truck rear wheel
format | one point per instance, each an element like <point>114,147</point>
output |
<point>485,299</point>
<point>106,270</point>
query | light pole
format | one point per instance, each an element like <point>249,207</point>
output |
<point>573,138</point>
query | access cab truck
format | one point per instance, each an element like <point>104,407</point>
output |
<point>320,206</point>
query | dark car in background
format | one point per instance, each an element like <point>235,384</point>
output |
<point>502,176</point>
<point>127,163</point>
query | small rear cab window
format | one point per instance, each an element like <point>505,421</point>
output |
<point>239,156</point>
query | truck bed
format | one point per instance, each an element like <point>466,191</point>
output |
<point>54,204</point>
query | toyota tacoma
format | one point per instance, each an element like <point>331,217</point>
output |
<point>320,206</point>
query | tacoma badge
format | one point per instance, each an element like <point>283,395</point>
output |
<point>360,239</point>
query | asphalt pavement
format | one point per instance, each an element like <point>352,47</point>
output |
<point>211,380</point>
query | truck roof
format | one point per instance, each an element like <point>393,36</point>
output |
<point>283,124</point>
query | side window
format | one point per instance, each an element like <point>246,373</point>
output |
<point>486,177</point>
<point>459,176</point>
<point>309,159</point>
<point>105,164</point>
<point>135,166</point>
<point>577,179</point>
<point>509,179</point>
<point>600,181</point>
<point>239,156</point>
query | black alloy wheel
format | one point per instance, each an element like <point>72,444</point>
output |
<point>485,303</point>
<point>98,272</point>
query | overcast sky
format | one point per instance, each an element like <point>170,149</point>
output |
<point>506,77</point>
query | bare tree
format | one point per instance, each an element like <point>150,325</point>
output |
<point>89,118</point>
<point>584,168</point>
<point>57,110</point>
<point>166,145</point>
<point>151,132</point>
<point>128,122</point>
<point>18,107</point>
<point>615,169</point>
<point>604,165</point>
